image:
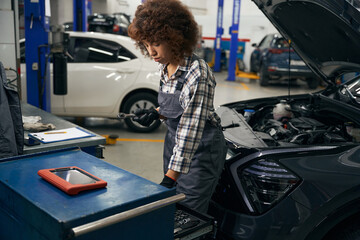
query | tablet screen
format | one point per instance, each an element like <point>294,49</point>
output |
<point>74,176</point>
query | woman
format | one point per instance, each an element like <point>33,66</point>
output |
<point>194,149</point>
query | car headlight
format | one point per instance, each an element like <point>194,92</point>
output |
<point>266,182</point>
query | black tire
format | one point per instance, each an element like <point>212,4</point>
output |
<point>140,100</point>
<point>264,76</point>
<point>313,83</point>
<point>252,67</point>
<point>240,64</point>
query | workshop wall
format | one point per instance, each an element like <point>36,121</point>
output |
<point>7,38</point>
<point>61,11</point>
<point>253,24</point>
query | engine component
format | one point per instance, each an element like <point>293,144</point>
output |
<point>282,110</point>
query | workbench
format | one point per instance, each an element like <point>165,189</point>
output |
<point>33,209</point>
<point>91,145</point>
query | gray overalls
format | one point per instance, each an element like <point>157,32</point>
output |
<point>207,163</point>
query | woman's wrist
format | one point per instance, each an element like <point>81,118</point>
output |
<point>172,174</point>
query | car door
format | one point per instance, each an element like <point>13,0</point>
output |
<point>99,72</point>
<point>256,56</point>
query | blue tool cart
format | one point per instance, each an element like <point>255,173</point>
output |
<point>130,207</point>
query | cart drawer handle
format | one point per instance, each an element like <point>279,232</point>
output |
<point>104,222</point>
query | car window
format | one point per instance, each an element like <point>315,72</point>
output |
<point>266,41</point>
<point>122,19</point>
<point>97,50</point>
<point>91,50</point>
<point>281,43</point>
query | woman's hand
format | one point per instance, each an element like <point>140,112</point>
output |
<point>169,180</point>
<point>146,116</point>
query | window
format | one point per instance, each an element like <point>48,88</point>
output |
<point>97,50</point>
<point>266,41</point>
<point>281,43</point>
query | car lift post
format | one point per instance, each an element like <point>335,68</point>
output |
<point>219,33</point>
<point>234,29</point>
<point>80,8</point>
<point>89,8</point>
<point>37,50</point>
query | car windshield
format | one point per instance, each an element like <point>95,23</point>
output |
<point>122,19</point>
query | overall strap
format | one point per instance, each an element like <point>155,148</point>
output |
<point>182,78</point>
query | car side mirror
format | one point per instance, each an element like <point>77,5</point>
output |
<point>254,45</point>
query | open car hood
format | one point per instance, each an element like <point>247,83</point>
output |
<point>325,33</point>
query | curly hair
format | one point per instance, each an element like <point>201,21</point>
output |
<point>169,21</point>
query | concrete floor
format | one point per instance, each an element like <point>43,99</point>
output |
<point>141,153</point>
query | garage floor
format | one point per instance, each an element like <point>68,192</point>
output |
<point>141,154</point>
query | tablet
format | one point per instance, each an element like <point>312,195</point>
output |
<point>71,180</point>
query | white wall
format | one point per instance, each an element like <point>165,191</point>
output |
<point>61,11</point>
<point>9,39</point>
<point>253,24</point>
<point>8,54</point>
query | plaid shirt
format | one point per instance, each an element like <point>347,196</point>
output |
<point>196,99</point>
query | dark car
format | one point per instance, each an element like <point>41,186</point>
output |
<point>271,58</point>
<point>117,23</point>
<point>123,21</point>
<point>293,164</point>
<point>68,26</point>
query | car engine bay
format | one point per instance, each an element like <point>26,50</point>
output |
<point>302,125</point>
<point>311,120</point>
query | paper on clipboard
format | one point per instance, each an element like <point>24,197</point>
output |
<point>61,135</point>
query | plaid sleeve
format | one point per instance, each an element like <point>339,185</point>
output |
<point>197,100</point>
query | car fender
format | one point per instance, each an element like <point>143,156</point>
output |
<point>329,206</point>
<point>331,214</point>
<point>148,83</point>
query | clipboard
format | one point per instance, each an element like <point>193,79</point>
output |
<point>61,135</point>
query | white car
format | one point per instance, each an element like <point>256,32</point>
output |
<point>106,75</point>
